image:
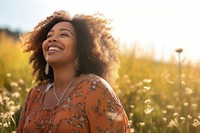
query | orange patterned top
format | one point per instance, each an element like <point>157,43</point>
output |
<point>92,107</point>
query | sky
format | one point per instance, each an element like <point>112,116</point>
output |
<point>161,25</point>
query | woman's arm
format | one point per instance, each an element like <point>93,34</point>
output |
<point>23,113</point>
<point>104,110</point>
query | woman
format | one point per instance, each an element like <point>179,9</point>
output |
<point>71,57</point>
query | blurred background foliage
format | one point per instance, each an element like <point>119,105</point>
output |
<point>158,95</point>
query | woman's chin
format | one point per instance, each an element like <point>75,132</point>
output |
<point>52,62</point>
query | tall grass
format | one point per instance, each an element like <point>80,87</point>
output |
<point>15,79</point>
<point>153,98</point>
<point>13,61</point>
<point>149,90</point>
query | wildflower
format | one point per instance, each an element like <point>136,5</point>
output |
<point>185,103</point>
<point>164,119</point>
<point>188,91</point>
<point>14,84</point>
<point>142,124</point>
<point>182,118</point>
<point>132,130</point>
<point>146,88</point>
<point>173,123</point>
<point>14,108</point>
<point>194,106</point>
<point>8,75</point>
<point>182,82</point>
<point>198,116</point>
<point>6,124</point>
<point>130,122</point>
<point>19,88</point>
<point>164,111</point>
<point>147,80</point>
<point>131,115</point>
<point>5,99</point>
<point>16,94</point>
<point>27,89</point>
<point>170,106</point>
<point>175,114</point>
<point>189,117</point>
<point>132,106</point>
<point>148,101</point>
<point>196,123</point>
<point>10,103</point>
<point>148,110</point>
<point>21,81</point>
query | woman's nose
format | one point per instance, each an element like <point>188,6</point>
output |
<point>53,39</point>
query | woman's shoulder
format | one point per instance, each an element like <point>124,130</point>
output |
<point>100,89</point>
<point>99,85</point>
<point>96,80</point>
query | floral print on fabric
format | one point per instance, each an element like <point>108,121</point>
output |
<point>92,107</point>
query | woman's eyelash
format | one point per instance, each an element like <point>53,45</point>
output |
<point>48,36</point>
<point>64,35</point>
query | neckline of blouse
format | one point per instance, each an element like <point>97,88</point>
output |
<point>48,86</point>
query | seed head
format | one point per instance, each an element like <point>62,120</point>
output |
<point>179,50</point>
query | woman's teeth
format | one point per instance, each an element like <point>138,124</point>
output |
<point>54,49</point>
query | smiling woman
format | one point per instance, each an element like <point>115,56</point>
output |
<point>65,47</point>
<point>73,59</point>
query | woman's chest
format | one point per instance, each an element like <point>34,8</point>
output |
<point>70,116</point>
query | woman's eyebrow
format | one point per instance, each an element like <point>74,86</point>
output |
<point>63,29</point>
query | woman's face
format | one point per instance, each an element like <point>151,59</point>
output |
<point>60,45</point>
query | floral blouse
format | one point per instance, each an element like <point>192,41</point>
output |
<point>92,107</point>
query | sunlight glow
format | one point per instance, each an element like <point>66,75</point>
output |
<point>162,24</point>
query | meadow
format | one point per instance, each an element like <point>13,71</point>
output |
<point>158,96</point>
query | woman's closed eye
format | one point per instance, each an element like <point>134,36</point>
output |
<point>64,35</point>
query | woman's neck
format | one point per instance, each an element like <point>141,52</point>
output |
<point>63,76</point>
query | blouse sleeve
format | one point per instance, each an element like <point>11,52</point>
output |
<point>104,110</point>
<point>23,113</point>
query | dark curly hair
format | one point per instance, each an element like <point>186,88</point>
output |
<point>96,48</point>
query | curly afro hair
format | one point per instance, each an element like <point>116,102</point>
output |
<point>96,47</point>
